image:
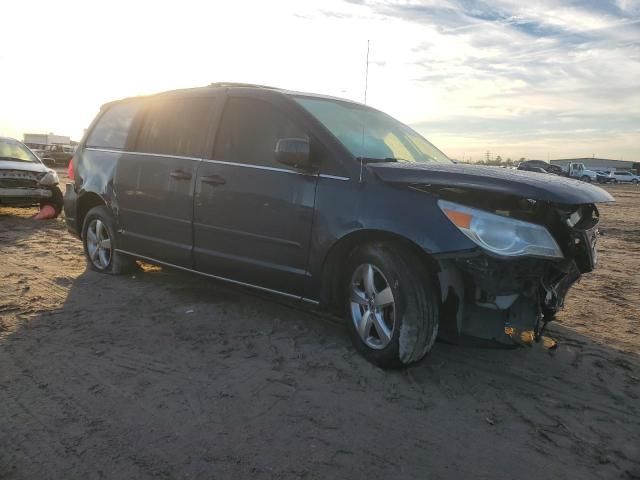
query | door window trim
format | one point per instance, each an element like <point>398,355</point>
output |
<point>221,162</point>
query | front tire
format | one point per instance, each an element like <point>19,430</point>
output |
<point>99,241</point>
<point>392,305</point>
<point>585,178</point>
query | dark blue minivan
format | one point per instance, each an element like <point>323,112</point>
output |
<point>333,203</point>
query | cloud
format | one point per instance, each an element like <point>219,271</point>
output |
<point>474,73</point>
<point>508,70</point>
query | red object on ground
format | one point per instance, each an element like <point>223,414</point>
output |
<point>70,170</point>
<point>46,212</point>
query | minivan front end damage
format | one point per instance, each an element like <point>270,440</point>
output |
<point>509,299</point>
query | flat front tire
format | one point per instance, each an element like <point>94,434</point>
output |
<point>100,243</point>
<point>392,305</point>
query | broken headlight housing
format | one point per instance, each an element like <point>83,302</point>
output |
<point>50,178</point>
<point>501,235</point>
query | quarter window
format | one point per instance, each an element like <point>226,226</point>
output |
<point>112,129</point>
<point>176,126</point>
<point>250,130</point>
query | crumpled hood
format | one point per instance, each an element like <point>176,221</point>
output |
<point>24,166</point>
<point>536,186</point>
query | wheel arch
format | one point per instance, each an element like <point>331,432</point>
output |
<point>334,264</point>
<point>86,202</point>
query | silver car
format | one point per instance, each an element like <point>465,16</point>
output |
<point>621,176</point>
<point>24,180</point>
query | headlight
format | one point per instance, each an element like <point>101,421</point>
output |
<point>50,178</point>
<point>501,235</point>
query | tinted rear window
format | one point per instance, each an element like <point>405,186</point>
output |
<point>176,126</point>
<point>112,129</point>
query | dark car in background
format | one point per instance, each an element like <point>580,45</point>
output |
<point>537,165</point>
<point>56,155</point>
<point>333,203</point>
<point>603,176</point>
<point>24,180</point>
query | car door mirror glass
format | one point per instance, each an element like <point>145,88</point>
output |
<point>294,152</point>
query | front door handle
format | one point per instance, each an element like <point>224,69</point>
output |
<point>213,179</point>
<point>180,175</point>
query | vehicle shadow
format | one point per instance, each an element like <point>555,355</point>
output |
<point>164,374</point>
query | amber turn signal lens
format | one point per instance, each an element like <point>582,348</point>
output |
<point>459,219</point>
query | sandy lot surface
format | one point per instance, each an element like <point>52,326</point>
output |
<point>161,374</point>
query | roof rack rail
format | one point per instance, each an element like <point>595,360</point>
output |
<point>239,84</point>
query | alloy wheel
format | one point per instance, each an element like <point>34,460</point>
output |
<point>372,306</point>
<point>98,244</point>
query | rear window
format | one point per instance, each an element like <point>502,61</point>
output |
<point>112,129</point>
<point>176,126</point>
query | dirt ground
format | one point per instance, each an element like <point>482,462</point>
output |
<point>161,374</point>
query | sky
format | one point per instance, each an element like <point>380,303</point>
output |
<point>543,79</point>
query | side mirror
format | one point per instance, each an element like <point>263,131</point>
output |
<point>294,152</point>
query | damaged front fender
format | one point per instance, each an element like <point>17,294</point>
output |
<point>496,298</point>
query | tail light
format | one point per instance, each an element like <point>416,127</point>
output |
<point>70,172</point>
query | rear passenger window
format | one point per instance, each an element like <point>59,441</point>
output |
<point>176,126</point>
<point>250,130</point>
<point>112,129</point>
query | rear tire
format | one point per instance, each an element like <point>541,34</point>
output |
<point>634,181</point>
<point>392,306</point>
<point>100,243</point>
<point>585,178</point>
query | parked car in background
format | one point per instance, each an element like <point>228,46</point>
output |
<point>603,176</point>
<point>536,165</point>
<point>57,155</point>
<point>578,171</point>
<point>619,176</point>
<point>333,203</point>
<point>24,180</point>
<point>533,169</point>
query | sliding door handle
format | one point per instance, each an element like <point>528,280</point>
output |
<point>213,180</point>
<point>180,175</point>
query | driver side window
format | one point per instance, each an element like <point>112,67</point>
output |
<point>249,131</point>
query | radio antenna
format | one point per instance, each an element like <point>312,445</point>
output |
<point>366,75</point>
<point>366,86</point>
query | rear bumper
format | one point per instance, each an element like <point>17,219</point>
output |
<point>70,209</point>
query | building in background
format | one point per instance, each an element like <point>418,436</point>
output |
<point>40,140</point>
<point>591,163</point>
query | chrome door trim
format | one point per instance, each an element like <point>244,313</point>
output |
<point>216,277</point>
<point>257,167</point>
<point>221,162</point>
<point>334,177</point>
<point>94,149</point>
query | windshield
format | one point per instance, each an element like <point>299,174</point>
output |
<point>370,134</point>
<point>15,151</point>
